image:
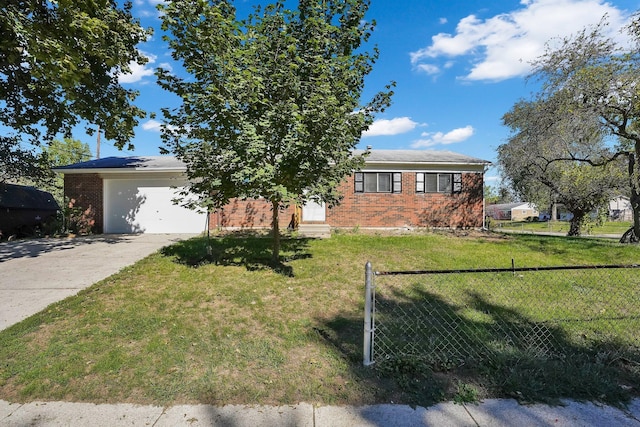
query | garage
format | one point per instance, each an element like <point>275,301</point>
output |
<point>124,195</point>
<point>146,206</point>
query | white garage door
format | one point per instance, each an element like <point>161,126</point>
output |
<point>145,206</point>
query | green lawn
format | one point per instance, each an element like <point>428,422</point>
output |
<point>611,227</point>
<point>182,326</point>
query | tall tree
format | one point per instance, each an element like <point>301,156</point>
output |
<point>59,65</point>
<point>60,153</point>
<point>18,162</point>
<point>272,107</point>
<point>539,159</point>
<point>590,75</point>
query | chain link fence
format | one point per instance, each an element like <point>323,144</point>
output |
<point>456,318</point>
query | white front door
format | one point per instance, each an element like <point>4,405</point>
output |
<point>313,211</point>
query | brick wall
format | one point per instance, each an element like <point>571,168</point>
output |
<point>248,214</point>
<point>85,192</point>
<point>410,208</point>
<point>357,209</point>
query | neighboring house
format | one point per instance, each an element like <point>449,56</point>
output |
<point>620,209</point>
<point>395,188</point>
<point>23,209</point>
<point>519,211</point>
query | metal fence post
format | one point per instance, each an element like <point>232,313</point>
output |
<point>368,318</point>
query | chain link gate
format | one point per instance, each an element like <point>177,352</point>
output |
<point>455,317</point>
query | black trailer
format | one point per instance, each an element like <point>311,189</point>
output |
<point>24,210</point>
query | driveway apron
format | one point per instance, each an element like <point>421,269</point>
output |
<point>36,273</point>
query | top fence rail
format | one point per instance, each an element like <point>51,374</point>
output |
<point>506,270</point>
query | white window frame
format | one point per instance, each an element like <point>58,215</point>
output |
<point>395,182</point>
<point>423,178</point>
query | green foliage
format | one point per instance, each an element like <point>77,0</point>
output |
<point>60,153</point>
<point>589,83</point>
<point>466,393</point>
<point>77,220</point>
<point>542,158</point>
<point>499,194</point>
<point>59,64</point>
<point>272,108</point>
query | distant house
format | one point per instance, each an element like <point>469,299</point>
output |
<point>519,211</point>
<point>23,209</point>
<point>620,209</point>
<point>395,188</point>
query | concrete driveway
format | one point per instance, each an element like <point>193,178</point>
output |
<point>36,273</point>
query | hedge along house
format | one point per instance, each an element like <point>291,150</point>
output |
<point>395,188</point>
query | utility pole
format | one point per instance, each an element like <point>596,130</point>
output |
<point>98,144</point>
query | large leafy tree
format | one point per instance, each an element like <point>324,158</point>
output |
<point>59,65</point>
<point>591,76</point>
<point>539,159</point>
<point>61,152</point>
<point>272,105</point>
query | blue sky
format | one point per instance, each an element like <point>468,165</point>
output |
<point>459,66</point>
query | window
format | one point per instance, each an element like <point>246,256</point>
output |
<point>438,182</point>
<point>378,182</point>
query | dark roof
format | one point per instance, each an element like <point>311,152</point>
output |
<point>170,163</point>
<point>131,162</point>
<point>23,197</point>
<point>419,156</point>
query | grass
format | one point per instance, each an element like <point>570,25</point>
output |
<point>610,227</point>
<point>226,327</point>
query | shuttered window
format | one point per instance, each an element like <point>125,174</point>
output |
<point>378,182</point>
<point>438,182</point>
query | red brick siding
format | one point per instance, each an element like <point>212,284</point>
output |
<point>248,214</point>
<point>362,209</point>
<point>85,191</point>
<point>410,208</point>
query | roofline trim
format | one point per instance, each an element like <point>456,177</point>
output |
<point>385,162</point>
<point>118,170</point>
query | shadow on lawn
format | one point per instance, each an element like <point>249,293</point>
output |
<point>247,250</point>
<point>508,356</point>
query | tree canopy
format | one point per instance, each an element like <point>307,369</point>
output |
<point>59,66</point>
<point>539,160</point>
<point>272,106</point>
<point>582,122</point>
<point>60,153</point>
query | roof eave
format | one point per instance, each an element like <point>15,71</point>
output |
<point>117,170</point>
<point>395,162</point>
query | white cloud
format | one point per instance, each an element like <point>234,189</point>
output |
<point>152,125</point>
<point>440,138</point>
<point>138,72</point>
<point>166,66</point>
<point>443,20</point>
<point>395,126</point>
<point>428,68</point>
<point>502,46</point>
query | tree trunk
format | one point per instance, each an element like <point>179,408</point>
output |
<point>275,228</point>
<point>635,197</point>
<point>575,224</point>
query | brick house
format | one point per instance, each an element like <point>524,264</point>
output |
<point>395,188</point>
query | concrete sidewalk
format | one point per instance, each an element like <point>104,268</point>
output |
<point>488,413</point>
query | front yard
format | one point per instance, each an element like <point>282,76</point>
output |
<point>610,227</point>
<point>182,326</point>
